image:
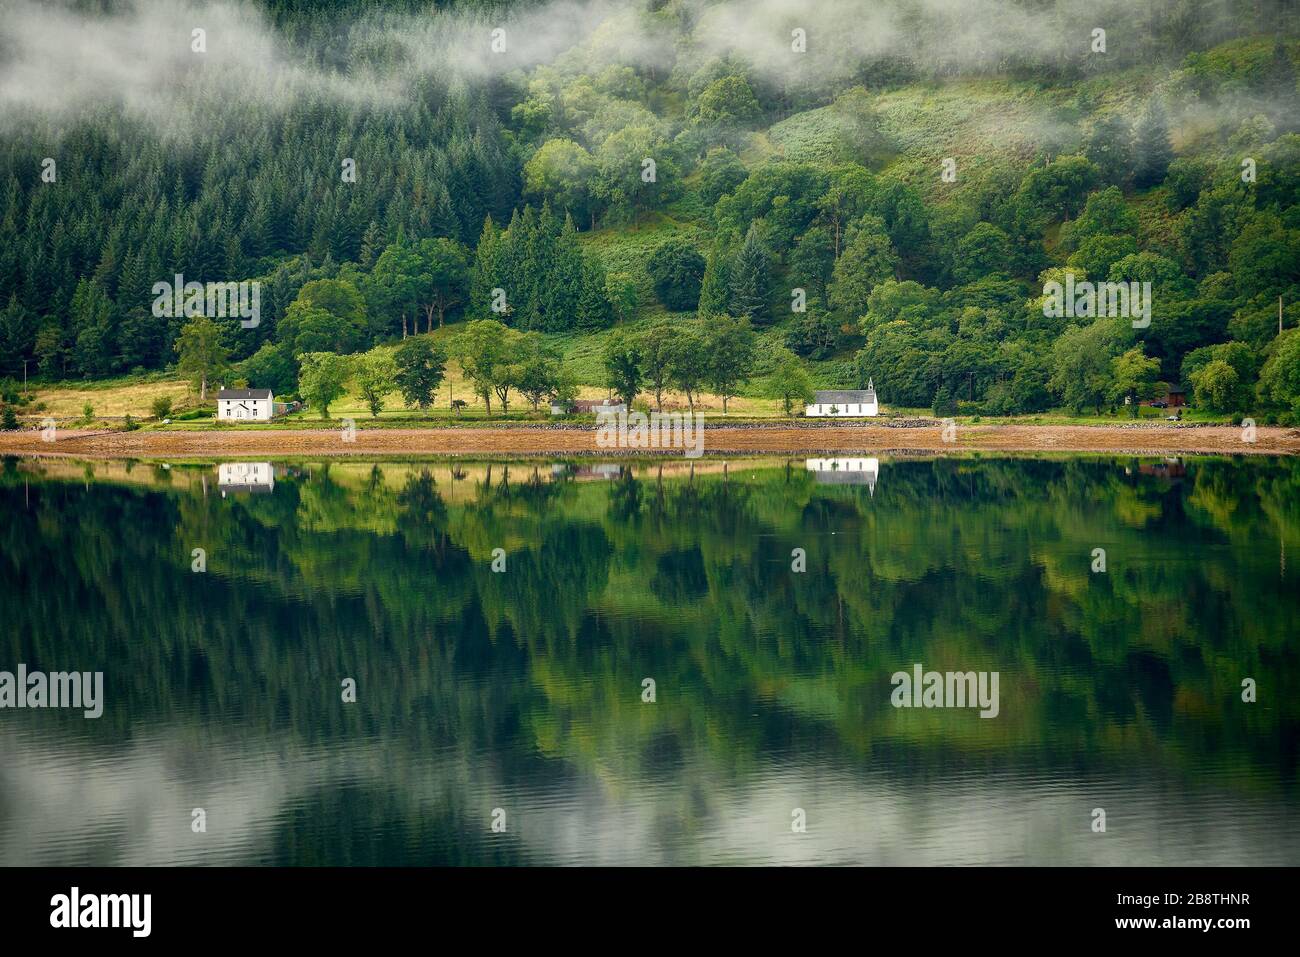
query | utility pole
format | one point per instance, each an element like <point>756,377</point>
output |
<point>1279,320</point>
<point>24,375</point>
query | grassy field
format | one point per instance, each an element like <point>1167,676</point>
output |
<point>113,398</point>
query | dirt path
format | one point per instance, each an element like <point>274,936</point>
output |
<point>720,440</point>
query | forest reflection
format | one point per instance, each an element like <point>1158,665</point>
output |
<point>523,688</point>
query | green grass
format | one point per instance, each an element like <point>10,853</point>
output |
<point>816,136</point>
<point>838,133</point>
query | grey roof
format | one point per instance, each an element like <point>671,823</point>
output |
<point>847,396</point>
<point>244,394</point>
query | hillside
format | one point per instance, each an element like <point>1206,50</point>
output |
<point>671,194</point>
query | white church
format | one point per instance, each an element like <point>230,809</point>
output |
<point>844,402</point>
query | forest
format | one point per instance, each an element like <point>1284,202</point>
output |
<point>707,196</point>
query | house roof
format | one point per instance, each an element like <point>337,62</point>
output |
<point>846,396</point>
<point>244,394</point>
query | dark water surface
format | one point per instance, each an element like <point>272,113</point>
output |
<point>522,690</point>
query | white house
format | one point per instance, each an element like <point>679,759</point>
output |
<point>842,402</point>
<point>245,405</point>
<point>845,471</point>
<point>245,477</point>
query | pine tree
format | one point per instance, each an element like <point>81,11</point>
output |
<point>133,288</point>
<point>138,336</point>
<point>372,244</point>
<point>1151,147</point>
<point>715,286</point>
<point>257,231</point>
<point>443,221</point>
<point>17,329</point>
<point>51,347</point>
<point>563,286</point>
<point>593,308</point>
<point>1110,147</point>
<point>513,273</point>
<point>92,325</point>
<point>485,274</point>
<point>543,233</point>
<point>749,279</point>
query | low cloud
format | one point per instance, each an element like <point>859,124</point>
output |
<point>58,62</point>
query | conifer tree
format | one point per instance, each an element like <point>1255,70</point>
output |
<point>593,308</point>
<point>1152,149</point>
<point>563,286</point>
<point>484,275</point>
<point>716,284</point>
<point>372,244</point>
<point>749,279</point>
<point>92,323</point>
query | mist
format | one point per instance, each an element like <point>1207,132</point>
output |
<point>57,62</point>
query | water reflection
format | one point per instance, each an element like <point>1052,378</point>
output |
<point>233,477</point>
<point>846,471</point>
<point>522,690</point>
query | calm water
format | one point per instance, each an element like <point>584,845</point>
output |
<point>522,689</point>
